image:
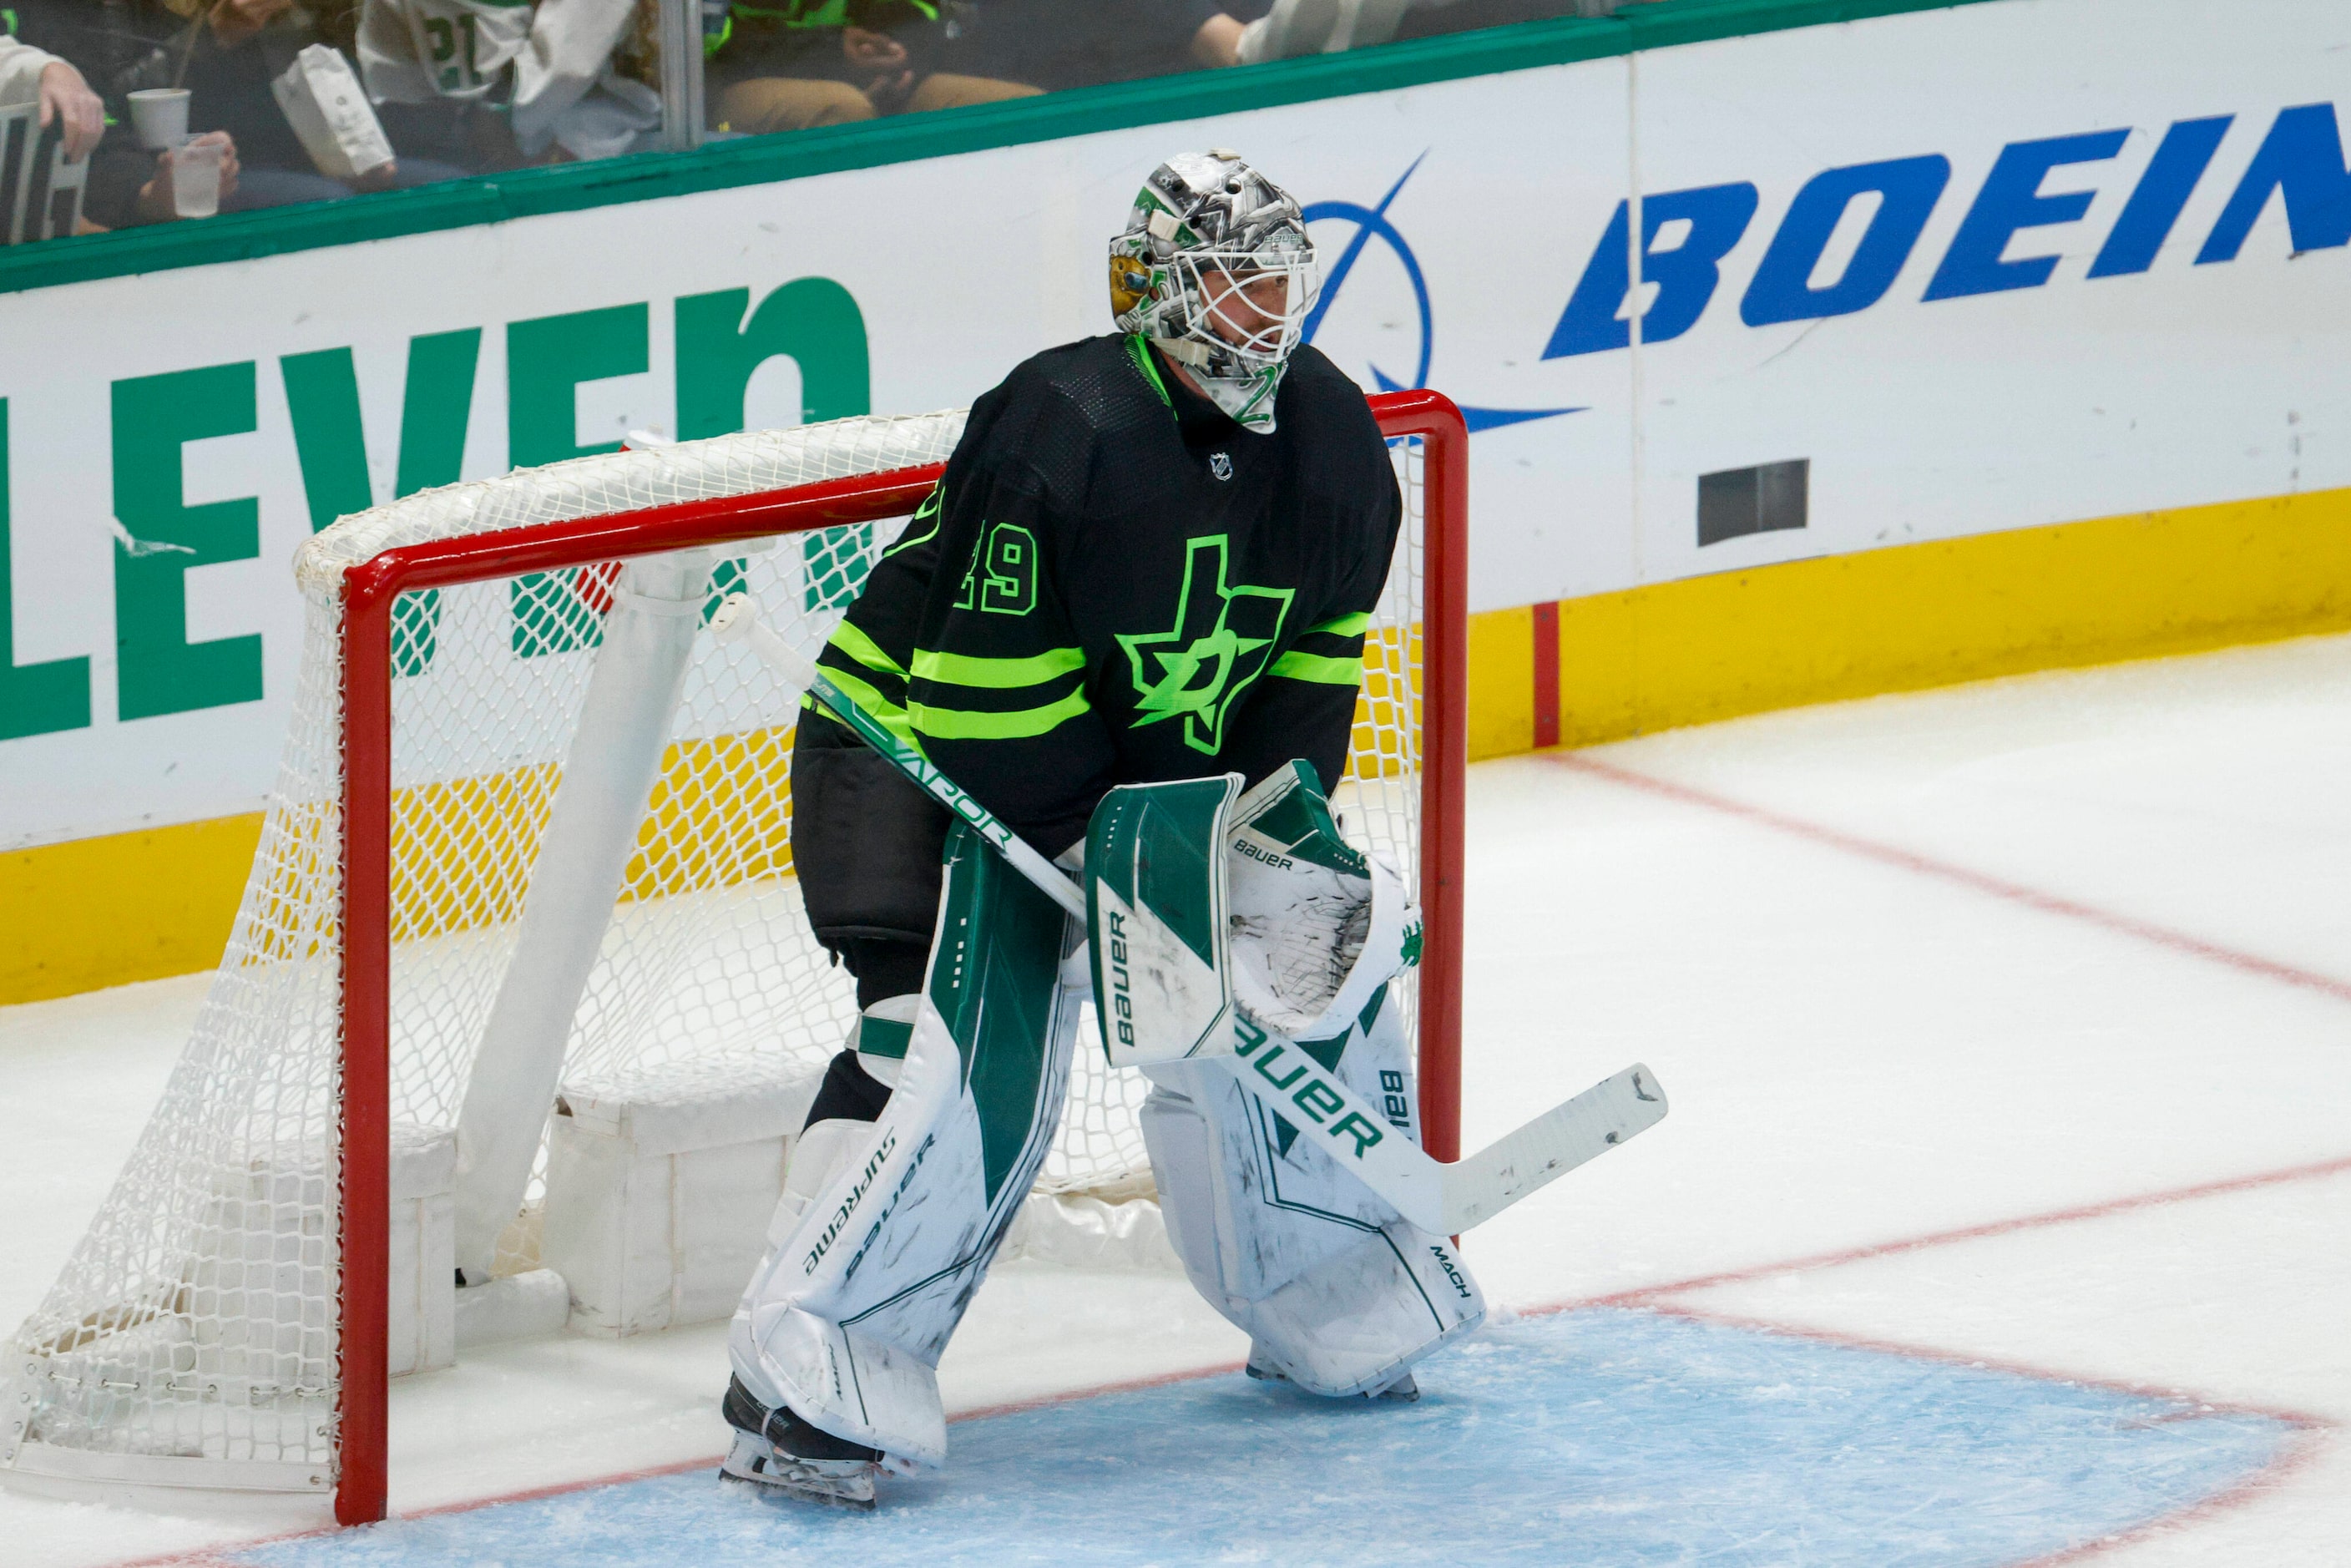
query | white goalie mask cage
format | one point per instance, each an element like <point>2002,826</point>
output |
<point>1244,311</point>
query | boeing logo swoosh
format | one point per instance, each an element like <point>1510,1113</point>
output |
<point>1372,223</point>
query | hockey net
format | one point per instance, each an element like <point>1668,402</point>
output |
<point>219,1323</point>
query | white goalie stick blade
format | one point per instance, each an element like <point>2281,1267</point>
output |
<point>1553,1144</point>
<point>1442,1199</point>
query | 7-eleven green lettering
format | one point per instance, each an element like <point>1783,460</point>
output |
<point>35,699</point>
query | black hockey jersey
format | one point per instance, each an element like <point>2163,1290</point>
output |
<point>1116,583</point>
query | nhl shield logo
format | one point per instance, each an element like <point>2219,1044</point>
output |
<point>1220,465</point>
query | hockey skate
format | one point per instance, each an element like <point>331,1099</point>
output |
<point>1404,1390</point>
<point>777,1449</point>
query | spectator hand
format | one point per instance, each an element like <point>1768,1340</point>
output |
<point>1217,43</point>
<point>873,51</point>
<point>68,102</point>
<point>155,204</point>
<point>891,83</point>
<point>234,21</point>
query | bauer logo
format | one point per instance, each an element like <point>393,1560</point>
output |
<point>1122,993</point>
<point>1244,845</point>
<point>1294,1074</point>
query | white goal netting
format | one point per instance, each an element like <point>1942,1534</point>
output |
<point>196,1323</point>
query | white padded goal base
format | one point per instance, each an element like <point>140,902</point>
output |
<point>660,1186</point>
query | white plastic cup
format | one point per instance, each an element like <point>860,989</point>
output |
<point>160,116</point>
<point>195,179</point>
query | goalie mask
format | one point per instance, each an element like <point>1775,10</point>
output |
<point>1215,267</point>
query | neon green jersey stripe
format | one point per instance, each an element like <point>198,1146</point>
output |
<point>928,512</point>
<point>1300,666</point>
<point>880,709</point>
<point>864,650</point>
<point>1142,355</point>
<point>1344,626</point>
<point>997,674</point>
<point>958,724</point>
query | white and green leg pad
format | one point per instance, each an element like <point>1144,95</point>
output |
<point>867,1275</point>
<point>1338,1292</point>
<point>1211,913</point>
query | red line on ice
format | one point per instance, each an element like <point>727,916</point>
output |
<point>222,1556</point>
<point>2298,1454</point>
<point>1646,1295</point>
<point>1651,1298</point>
<point>2310,1434</point>
<point>1982,882</point>
<point>2205,1403</point>
<point>2311,1431</point>
<point>1655,1296</point>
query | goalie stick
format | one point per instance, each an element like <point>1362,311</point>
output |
<point>1441,1199</point>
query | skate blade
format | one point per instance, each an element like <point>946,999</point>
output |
<point>1403,1391</point>
<point>840,1483</point>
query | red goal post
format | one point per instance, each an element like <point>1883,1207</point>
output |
<point>373,587</point>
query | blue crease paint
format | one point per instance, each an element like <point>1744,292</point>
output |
<point>1601,1436</point>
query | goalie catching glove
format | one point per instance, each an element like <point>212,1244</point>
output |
<point>1199,902</point>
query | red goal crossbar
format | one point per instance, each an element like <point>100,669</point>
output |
<point>372,589</point>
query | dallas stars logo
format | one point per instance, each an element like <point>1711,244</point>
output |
<point>1194,669</point>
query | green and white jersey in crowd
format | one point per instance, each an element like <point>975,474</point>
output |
<point>441,48</point>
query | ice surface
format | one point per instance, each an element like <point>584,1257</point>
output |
<point>1603,1437</point>
<point>1858,1055</point>
<point>2242,1296</point>
<point>78,1077</point>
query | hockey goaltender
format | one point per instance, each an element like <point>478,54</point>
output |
<point>1154,558</point>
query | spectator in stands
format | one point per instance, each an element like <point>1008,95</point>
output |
<point>28,74</point>
<point>227,53</point>
<point>494,83</point>
<point>1085,42</point>
<point>785,64</point>
<point>127,185</point>
<point>1293,27</point>
<point>790,65</point>
<point>224,52</point>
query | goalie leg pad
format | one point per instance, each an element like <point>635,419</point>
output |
<point>1337,1292</point>
<point>1356,1321</point>
<point>846,1317</point>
